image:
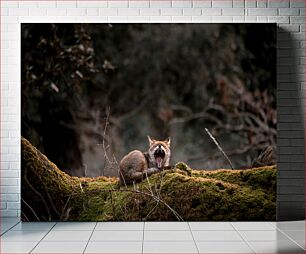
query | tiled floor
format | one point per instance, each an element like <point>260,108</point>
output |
<point>152,237</point>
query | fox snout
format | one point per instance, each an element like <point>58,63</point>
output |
<point>159,152</point>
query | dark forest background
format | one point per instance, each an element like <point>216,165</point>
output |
<point>93,92</point>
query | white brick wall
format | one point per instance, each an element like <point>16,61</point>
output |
<point>289,14</point>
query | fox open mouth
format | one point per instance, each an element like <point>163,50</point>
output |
<point>159,156</point>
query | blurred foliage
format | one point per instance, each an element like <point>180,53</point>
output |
<point>84,85</point>
<point>57,67</point>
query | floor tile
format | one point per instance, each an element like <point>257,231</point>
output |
<point>114,247</point>
<point>60,247</point>
<point>69,236</point>
<point>5,228</point>
<point>273,223</point>
<point>222,226</point>
<point>33,226</point>
<point>273,235</point>
<point>297,236</point>
<point>23,236</point>
<point>216,236</point>
<point>276,247</point>
<point>173,225</point>
<point>69,226</point>
<point>167,236</point>
<point>6,225</point>
<point>253,226</point>
<point>17,247</point>
<point>9,224</point>
<point>9,220</point>
<point>301,243</point>
<point>290,225</point>
<point>169,247</point>
<point>105,236</point>
<point>119,226</point>
<point>224,247</point>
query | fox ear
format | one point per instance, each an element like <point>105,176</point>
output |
<point>150,140</point>
<point>168,141</point>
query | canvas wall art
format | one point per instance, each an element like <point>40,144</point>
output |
<point>148,122</point>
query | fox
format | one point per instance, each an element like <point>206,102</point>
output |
<point>136,165</point>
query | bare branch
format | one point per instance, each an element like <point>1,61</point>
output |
<point>66,210</point>
<point>219,147</point>
<point>23,214</point>
<point>30,209</point>
<point>150,188</point>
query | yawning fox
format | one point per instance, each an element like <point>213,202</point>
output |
<point>135,166</point>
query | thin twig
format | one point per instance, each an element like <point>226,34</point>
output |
<point>37,192</point>
<point>150,187</point>
<point>152,193</point>
<point>135,187</point>
<point>30,209</point>
<point>161,184</point>
<point>151,211</point>
<point>105,147</point>
<point>23,214</point>
<point>85,169</point>
<point>219,147</point>
<point>113,206</point>
<point>66,211</point>
<point>47,193</point>
<point>112,203</point>
<point>155,198</point>
<point>109,163</point>
<point>122,176</point>
<point>67,214</point>
<point>81,187</point>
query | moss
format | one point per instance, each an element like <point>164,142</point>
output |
<point>263,177</point>
<point>183,166</point>
<point>196,195</point>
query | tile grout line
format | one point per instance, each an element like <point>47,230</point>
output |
<point>90,237</point>
<point>290,238</point>
<point>42,238</point>
<point>193,237</point>
<point>143,232</point>
<point>247,243</point>
<point>274,226</point>
<point>10,228</point>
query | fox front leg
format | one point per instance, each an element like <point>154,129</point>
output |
<point>150,171</point>
<point>140,176</point>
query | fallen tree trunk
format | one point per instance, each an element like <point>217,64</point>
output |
<point>49,194</point>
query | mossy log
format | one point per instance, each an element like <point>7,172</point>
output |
<point>179,193</point>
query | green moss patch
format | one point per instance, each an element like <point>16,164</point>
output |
<point>178,193</point>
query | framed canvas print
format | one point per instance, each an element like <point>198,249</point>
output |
<point>148,122</point>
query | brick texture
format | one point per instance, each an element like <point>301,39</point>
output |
<point>288,14</point>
